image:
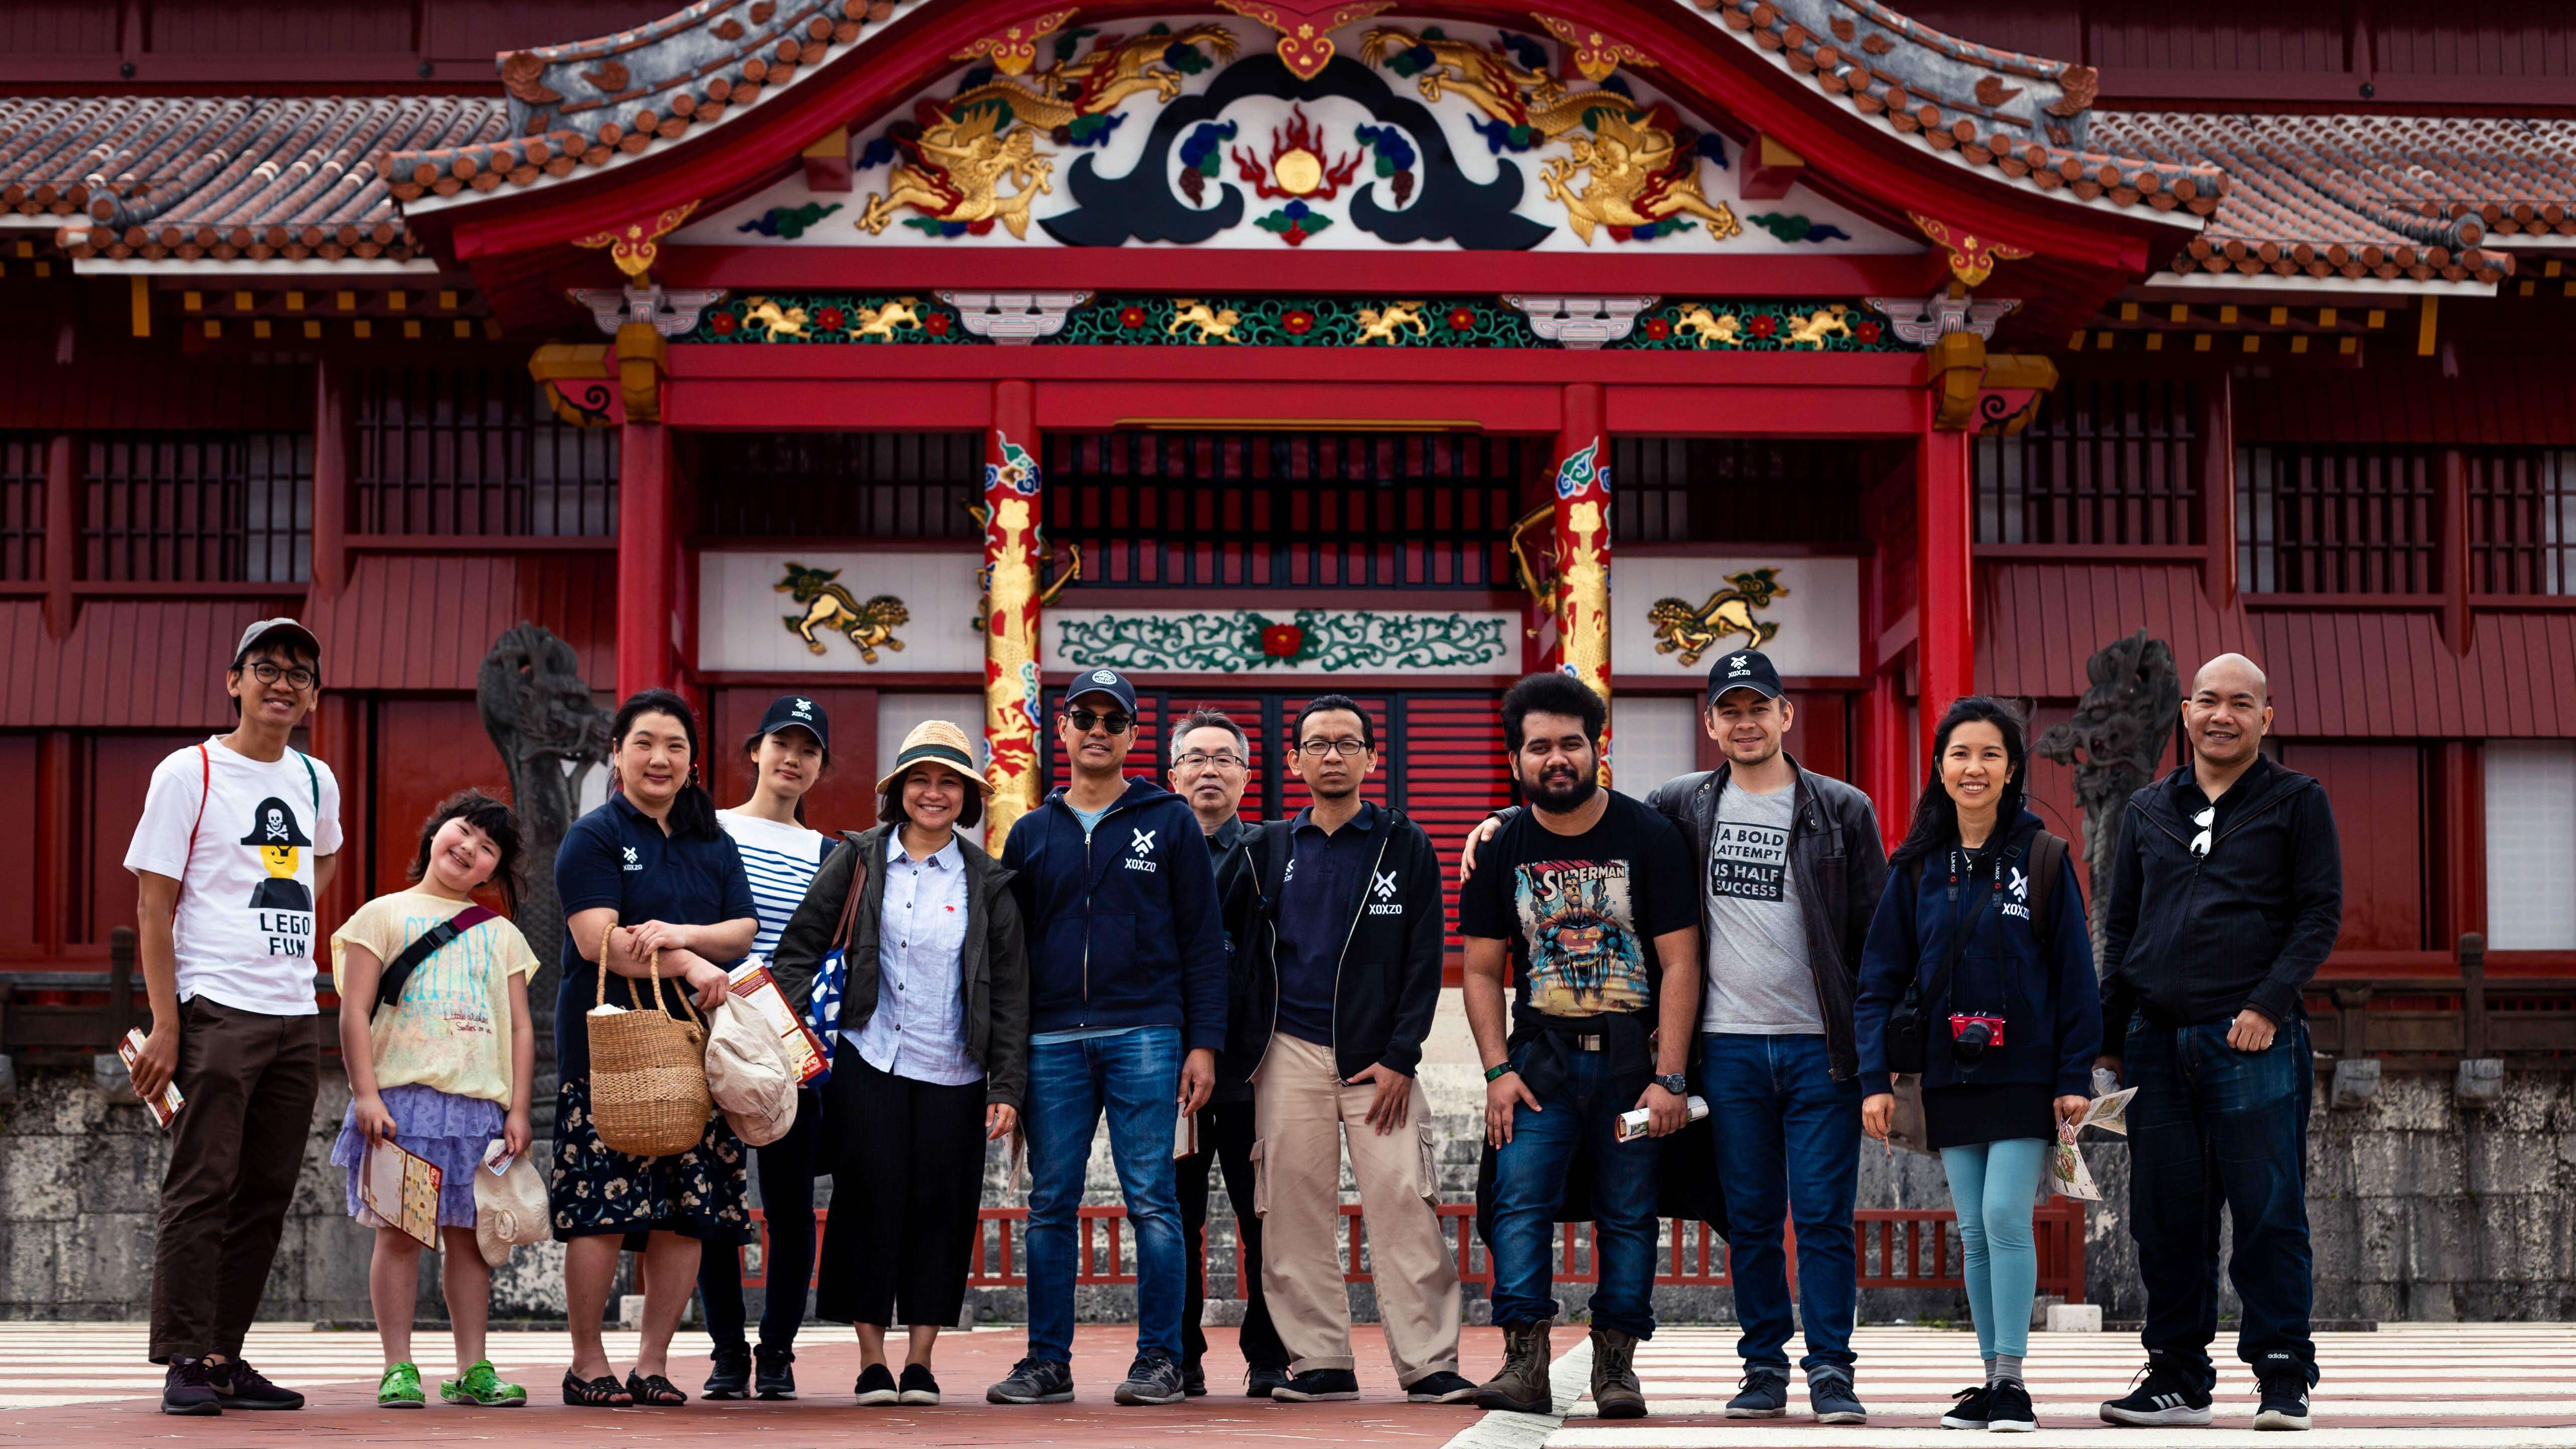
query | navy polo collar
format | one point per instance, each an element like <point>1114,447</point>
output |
<point>1363,822</point>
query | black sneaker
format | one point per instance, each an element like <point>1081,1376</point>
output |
<point>1316,1386</point>
<point>918,1386</point>
<point>1194,1380</point>
<point>2008,1409</point>
<point>1443,1387</point>
<point>773,1378</point>
<point>1765,1393</point>
<point>1262,1382</point>
<point>1034,1381</point>
<point>239,1386</point>
<point>2168,1395</point>
<point>1971,1410</point>
<point>728,1374</point>
<point>2285,1400</point>
<point>876,1387</point>
<point>1155,1378</point>
<point>184,1390</point>
<point>1831,1396</point>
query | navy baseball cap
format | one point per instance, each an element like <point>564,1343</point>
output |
<point>1102,681</point>
<point>795,711</point>
<point>1744,669</point>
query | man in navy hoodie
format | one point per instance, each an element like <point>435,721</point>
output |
<point>1127,988</point>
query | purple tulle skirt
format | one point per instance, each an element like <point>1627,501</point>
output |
<point>449,1130</point>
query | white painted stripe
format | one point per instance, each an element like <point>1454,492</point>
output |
<point>2088,1411</point>
<point>1569,1378</point>
<point>1773,1434</point>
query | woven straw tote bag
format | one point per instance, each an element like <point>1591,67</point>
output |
<point>648,1071</point>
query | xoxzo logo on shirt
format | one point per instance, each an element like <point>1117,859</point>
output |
<point>633,861</point>
<point>1142,846</point>
<point>2019,886</point>
<point>1384,889</point>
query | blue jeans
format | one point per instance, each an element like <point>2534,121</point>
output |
<point>2212,1127</point>
<point>1136,1077</point>
<point>1992,1187</point>
<point>1529,1184</point>
<point>1788,1143</point>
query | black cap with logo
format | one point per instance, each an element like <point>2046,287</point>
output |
<point>1102,681</point>
<point>1744,669</point>
<point>793,711</point>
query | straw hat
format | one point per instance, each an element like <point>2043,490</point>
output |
<point>940,743</point>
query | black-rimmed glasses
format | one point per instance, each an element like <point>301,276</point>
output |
<point>1316,749</point>
<point>298,676</point>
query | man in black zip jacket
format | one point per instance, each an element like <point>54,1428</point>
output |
<point>1346,980</point>
<point>2226,895</point>
<point>1211,759</point>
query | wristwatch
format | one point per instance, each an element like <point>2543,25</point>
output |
<point>1677,1084</point>
<point>1495,1072</point>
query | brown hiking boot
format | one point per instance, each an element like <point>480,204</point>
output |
<point>1522,1387</point>
<point>1615,1391</point>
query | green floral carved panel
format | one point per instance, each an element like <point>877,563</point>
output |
<point>1239,641</point>
<point>1297,322</point>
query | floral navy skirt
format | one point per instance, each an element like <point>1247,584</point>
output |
<point>703,1193</point>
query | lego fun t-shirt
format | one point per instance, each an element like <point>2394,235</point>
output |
<point>240,836</point>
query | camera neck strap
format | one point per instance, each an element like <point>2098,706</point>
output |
<point>1964,925</point>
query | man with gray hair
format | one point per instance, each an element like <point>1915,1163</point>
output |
<point>2226,895</point>
<point>1211,763</point>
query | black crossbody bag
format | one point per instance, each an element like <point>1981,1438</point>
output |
<point>389,987</point>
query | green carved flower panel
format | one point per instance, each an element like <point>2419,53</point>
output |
<point>1239,641</point>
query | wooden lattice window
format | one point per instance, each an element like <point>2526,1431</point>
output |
<point>1288,510</point>
<point>2320,518</point>
<point>198,507</point>
<point>22,506</point>
<point>2522,520</point>
<point>475,451</point>
<point>2108,461</point>
<point>838,485</point>
<point>1735,490</point>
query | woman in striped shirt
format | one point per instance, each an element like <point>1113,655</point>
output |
<point>791,750</point>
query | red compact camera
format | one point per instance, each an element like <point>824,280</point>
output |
<point>1982,1031</point>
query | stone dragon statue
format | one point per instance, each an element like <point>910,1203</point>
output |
<point>2115,741</point>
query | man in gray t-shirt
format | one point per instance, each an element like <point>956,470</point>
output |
<point>1758,981</point>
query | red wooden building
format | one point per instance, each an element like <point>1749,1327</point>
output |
<point>1386,346</point>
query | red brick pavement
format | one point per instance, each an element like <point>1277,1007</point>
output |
<point>826,1362</point>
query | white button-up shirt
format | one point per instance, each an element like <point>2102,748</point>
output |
<point>919,1028</point>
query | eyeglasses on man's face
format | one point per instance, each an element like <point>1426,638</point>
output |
<point>2200,843</point>
<point>297,676</point>
<point>1086,719</point>
<point>1317,749</point>
<point>1197,759</point>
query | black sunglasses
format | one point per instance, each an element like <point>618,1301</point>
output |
<point>1084,719</point>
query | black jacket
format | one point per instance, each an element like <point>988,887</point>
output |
<point>1840,864</point>
<point>2193,940</point>
<point>1246,1031</point>
<point>996,959</point>
<point>1388,988</point>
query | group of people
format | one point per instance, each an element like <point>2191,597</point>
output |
<point>1733,965</point>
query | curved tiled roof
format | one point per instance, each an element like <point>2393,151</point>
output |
<point>2356,196</point>
<point>222,176</point>
<point>2026,118</point>
<point>587,103</point>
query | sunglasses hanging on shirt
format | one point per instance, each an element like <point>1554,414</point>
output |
<point>2200,843</point>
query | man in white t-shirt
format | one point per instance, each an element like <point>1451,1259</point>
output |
<point>237,842</point>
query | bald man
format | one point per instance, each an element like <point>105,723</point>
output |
<point>2226,895</point>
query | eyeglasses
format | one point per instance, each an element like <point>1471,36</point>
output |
<point>266,673</point>
<point>1084,719</point>
<point>2200,843</point>
<point>1197,758</point>
<point>1317,749</point>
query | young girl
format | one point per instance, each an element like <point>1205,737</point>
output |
<point>789,752</point>
<point>440,1073</point>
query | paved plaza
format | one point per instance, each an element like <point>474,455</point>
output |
<point>2473,1386</point>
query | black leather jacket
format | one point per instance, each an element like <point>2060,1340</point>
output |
<point>1840,864</point>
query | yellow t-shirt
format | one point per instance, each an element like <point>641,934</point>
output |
<point>451,1029</point>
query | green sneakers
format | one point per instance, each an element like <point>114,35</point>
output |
<point>480,1385</point>
<point>399,1388</point>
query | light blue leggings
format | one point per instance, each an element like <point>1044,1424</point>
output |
<point>1992,1185</point>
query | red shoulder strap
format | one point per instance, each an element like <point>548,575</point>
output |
<point>205,787</point>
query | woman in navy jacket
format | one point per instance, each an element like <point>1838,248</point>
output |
<point>2012,1038</point>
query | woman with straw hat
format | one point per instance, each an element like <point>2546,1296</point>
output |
<point>922,984</point>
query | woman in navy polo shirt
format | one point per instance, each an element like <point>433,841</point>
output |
<point>650,870</point>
